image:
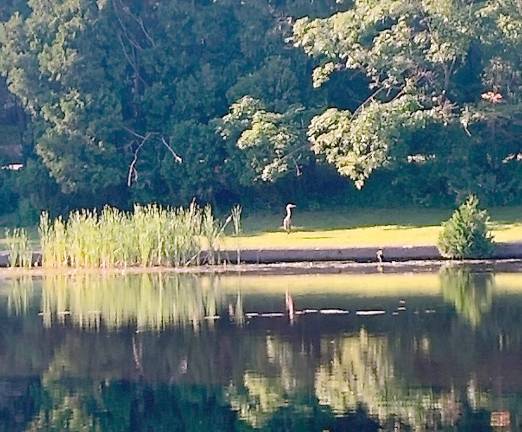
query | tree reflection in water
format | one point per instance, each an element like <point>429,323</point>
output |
<point>146,352</point>
<point>470,292</point>
<point>362,371</point>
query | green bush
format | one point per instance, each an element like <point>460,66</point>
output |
<point>465,234</point>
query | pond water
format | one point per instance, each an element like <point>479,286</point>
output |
<point>163,352</point>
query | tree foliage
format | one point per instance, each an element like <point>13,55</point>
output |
<point>427,63</point>
<point>272,142</point>
<point>128,100</point>
<point>466,234</point>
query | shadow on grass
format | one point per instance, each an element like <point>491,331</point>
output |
<point>347,219</point>
<point>502,218</point>
<point>254,232</point>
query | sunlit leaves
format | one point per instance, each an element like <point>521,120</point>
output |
<point>421,50</point>
<point>322,73</point>
<point>329,133</point>
<point>271,141</point>
<point>389,40</point>
<point>358,144</point>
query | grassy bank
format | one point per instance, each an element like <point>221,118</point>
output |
<point>363,227</point>
<point>351,228</point>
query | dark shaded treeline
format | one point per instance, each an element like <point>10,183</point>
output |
<point>122,101</point>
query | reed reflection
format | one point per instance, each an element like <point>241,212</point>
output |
<point>20,295</point>
<point>147,301</point>
<point>156,301</point>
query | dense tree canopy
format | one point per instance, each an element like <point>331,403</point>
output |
<point>444,80</point>
<point>124,100</point>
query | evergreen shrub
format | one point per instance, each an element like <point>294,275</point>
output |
<point>466,233</point>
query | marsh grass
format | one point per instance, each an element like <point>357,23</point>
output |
<point>149,236</point>
<point>212,232</point>
<point>235,214</point>
<point>20,253</point>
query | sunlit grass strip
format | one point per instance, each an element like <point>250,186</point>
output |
<point>149,236</point>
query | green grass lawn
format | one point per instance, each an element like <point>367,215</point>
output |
<point>355,227</point>
<point>363,227</point>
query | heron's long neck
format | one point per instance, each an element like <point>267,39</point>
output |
<point>288,212</point>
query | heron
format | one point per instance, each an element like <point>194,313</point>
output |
<point>380,255</point>
<point>287,221</point>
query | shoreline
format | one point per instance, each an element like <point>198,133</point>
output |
<point>356,260</point>
<point>282,269</point>
<point>360,254</point>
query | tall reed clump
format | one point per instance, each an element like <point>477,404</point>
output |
<point>149,236</point>
<point>183,244</point>
<point>210,231</point>
<point>236,222</point>
<point>53,241</point>
<point>20,253</point>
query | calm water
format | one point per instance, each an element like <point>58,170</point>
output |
<point>157,352</point>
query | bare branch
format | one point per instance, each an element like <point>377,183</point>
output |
<point>133,173</point>
<point>136,134</point>
<point>139,21</point>
<point>294,151</point>
<point>125,30</point>
<point>177,158</point>
<point>127,56</point>
<point>131,62</point>
<point>368,100</point>
<point>146,33</point>
<point>298,171</point>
